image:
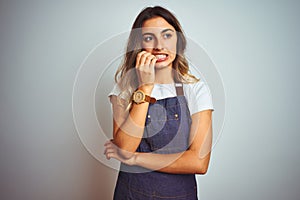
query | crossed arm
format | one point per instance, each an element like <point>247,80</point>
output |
<point>128,130</point>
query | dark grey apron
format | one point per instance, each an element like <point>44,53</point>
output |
<point>167,130</point>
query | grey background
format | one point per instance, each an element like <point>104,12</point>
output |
<point>255,45</point>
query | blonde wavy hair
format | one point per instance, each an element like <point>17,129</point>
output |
<point>126,76</point>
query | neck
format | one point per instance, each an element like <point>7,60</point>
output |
<point>164,75</point>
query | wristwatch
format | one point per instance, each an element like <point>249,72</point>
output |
<point>140,97</point>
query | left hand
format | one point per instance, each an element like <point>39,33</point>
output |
<point>113,151</point>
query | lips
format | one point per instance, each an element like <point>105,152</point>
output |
<point>161,57</point>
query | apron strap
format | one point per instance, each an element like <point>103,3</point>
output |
<point>179,89</point>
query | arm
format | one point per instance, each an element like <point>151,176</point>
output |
<point>128,127</point>
<point>193,161</point>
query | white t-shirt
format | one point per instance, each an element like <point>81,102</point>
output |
<point>197,94</point>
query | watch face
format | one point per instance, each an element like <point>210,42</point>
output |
<point>138,96</point>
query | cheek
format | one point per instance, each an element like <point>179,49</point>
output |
<point>172,50</point>
<point>147,46</point>
<point>149,50</point>
<point>172,46</point>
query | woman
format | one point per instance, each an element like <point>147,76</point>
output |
<point>162,127</point>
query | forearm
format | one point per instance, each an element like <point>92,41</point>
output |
<point>187,162</point>
<point>129,135</point>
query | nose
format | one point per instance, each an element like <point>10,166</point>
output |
<point>158,45</point>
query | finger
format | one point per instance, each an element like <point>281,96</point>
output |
<point>108,147</point>
<point>107,155</point>
<point>138,58</point>
<point>108,142</point>
<point>115,156</point>
<point>153,61</point>
<point>149,59</point>
<point>111,155</point>
<point>109,152</point>
<point>105,151</point>
<point>143,59</point>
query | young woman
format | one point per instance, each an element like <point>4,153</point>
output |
<point>162,130</point>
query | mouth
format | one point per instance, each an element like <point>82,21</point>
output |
<point>161,57</point>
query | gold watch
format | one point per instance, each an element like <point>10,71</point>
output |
<point>140,97</point>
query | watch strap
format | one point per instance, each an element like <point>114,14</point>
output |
<point>150,99</point>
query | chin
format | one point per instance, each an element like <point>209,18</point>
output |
<point>162,64</point>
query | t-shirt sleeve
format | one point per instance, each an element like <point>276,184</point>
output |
<point>199,97</point>
<point>115,91</point>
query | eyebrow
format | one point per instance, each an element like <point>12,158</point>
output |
<point>163,31</point>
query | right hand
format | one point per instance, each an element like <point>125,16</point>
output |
<point>113,151</point>
<point>145,68</point>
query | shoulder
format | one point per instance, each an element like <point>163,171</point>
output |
<point>196,89</point>
<point>198,96</point>
<point>115,90</point>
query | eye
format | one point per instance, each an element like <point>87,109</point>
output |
<point>147,38</point>
<point>167,35</point>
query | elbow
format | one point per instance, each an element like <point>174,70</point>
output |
<point>202,166</point>
<point>202,170</point>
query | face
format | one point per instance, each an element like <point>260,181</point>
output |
<point>160,39</point>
